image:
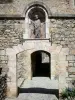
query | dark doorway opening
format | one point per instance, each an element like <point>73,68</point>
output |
<point>40,61</point>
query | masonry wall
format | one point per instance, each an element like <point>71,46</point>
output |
<point>10,35</point>
<point>61,30</point>
<point>63,33</point>
<point>3,86</point>
<point>22,66</point>
<point>17,6</point>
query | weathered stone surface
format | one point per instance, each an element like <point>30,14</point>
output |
<point>3,86</point>
<point>74,64</point>
<point>60,7</point>
<point>22,65</point>
<point>2,52</point>
<point>71,64</point>
<point>73,76</point>
<point>10,36</point>
<point>70,57</point>
<point>71,69</point>
<point>62,33</point>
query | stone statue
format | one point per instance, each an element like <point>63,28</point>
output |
<point>36,28</point>
<point>37,25</point>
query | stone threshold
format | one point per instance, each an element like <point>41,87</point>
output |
<point>36,39</point>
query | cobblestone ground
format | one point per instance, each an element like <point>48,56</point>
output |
<point>36,89</point>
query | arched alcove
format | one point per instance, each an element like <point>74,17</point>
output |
<point>37,11</point>
<point>41,64</point>
<point>37,3</point>
<point>36,27</point>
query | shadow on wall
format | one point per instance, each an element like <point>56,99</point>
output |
<point>0,71</point>
<point>3,85</point>
<point>39,90</point>
<point>5,1</point>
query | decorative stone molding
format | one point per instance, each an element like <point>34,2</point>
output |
<point>35,3</point>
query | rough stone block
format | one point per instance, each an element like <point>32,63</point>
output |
<point>62,57</point>
<point>71,69</point>
<point>3,57</point>
<point>2,52</point>
<point>63,64</point>
<point>70,57</point>
<point>71,64</point>
<point>72,51</point>
<point>72,76</point>
<point>11,89</point>
<point>20,81</point>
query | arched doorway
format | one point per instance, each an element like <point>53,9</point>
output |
<point>40,61</point>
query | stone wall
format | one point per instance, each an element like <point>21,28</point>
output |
<point>22,59</point>
<point>18,6</point>
<point>3,86</point>
<point>15,54</point>
<point>10,35</point>
<point>63,33</point>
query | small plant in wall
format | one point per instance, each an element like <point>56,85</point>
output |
<point>68,94</point>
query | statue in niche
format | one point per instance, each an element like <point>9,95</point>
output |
<point>35,27</point>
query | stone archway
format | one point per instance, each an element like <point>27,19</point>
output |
<point>37,3</point>
<point>58,63</point>
<point>41,64</point>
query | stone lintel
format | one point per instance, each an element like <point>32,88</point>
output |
<point>52,16</point>
<point>11,17</point>
<point>62,16</point>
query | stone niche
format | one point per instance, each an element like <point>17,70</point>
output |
<point>36,21</point>
<point>20,63</point>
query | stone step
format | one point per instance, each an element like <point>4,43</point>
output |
<point>39,88</point>
<point>43,82</point>
<point>34,96</point>
<point>42,85</point>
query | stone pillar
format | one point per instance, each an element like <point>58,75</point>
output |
<point>26,34</point>
<point>54,63</point>
<point>47,27</point>
<point>29,64</point>
<point>63,64</point>
<point>12,79</point>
